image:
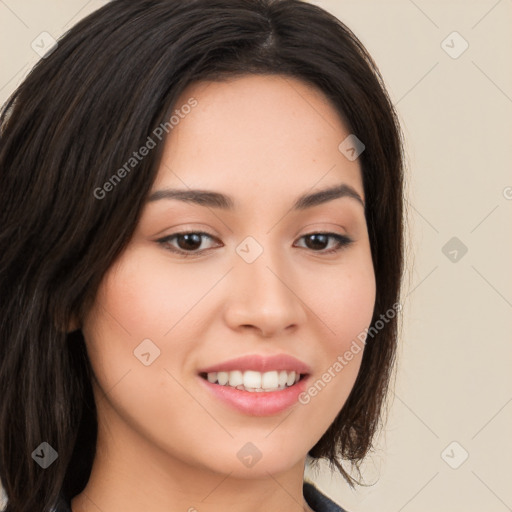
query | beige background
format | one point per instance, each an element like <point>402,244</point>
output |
<point>453,379</point>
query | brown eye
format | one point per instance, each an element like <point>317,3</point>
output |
<point>318,242</point>
<point>189,241</point>
<point>186,244</point>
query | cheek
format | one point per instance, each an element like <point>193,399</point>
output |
<point>135,304</point>
<point>345,300</point>
<point>143,296</point>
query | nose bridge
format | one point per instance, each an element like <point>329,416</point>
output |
<point>263,287</point>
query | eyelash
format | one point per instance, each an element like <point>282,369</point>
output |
<point>342,242</point>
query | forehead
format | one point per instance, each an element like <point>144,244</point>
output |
<point>265,133</point>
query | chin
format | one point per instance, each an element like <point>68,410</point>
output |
<point>248,459</point>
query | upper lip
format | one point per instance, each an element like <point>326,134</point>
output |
<point>259,363</point>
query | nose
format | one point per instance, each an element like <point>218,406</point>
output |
<point>264,296</point>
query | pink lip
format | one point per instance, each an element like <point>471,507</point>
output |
<point>264,403</point>
<point>259,363</point>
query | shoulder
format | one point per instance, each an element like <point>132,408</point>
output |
<point>318,501</point>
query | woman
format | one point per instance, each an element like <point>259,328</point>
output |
<point>201,260</point>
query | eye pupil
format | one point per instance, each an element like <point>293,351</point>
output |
<point>315,238</point>
<point>193,241</point>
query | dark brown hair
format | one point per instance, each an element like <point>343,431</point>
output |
<point>79,115</point>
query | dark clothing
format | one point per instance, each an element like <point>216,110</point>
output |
<point>318,501</point>
<point>315,499</point>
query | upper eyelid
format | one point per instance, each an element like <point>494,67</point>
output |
<point>199,232</point>
<point>311,230</point>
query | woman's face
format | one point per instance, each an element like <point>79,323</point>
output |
<point>256,284</point>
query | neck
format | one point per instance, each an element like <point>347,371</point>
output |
<point>131,474</point>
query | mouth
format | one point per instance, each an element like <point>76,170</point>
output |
<point>254,381</point>
<point>257,385</point>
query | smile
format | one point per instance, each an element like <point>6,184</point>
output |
<point>254,381</point>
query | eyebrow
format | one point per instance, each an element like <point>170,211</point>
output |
<point>224,202</point>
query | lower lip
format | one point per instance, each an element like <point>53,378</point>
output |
<point>264,403</point>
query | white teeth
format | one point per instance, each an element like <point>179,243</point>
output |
<point>255,381</point>
<point>269,380</point>
<point>252,379</point>
<point>236,378</point>
<point>291,379</point>
<point>223,378</point>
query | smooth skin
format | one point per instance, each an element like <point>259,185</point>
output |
<point>165,443</point>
